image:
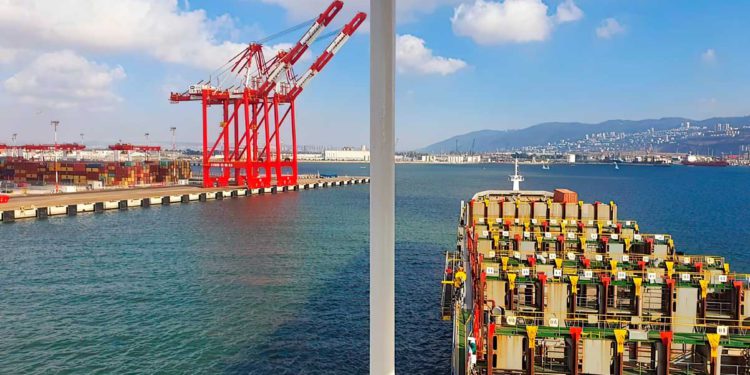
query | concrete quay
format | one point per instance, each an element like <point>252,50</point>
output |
<point>71,204</point>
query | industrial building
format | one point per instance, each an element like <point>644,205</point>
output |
<point>347,154</point>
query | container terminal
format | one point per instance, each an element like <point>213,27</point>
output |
<point>543,283</point>
<point>44,206</point>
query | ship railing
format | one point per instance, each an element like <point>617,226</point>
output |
<point>560,324</point>
<point>599,261</point>
<point>447,293</point>
<point>571,233</point>
<point>651,277</point>
<point>553,222</point>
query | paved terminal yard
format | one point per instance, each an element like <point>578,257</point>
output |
<point>41,206</point>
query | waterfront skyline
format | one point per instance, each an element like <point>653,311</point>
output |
<point>454,77</point>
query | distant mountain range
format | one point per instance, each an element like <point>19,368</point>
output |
<point>552,132</point>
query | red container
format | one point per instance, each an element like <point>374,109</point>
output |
<point>565,196</point>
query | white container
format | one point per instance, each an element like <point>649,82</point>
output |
<point>193,197</point>
<point>175,199</point>
<point>154,201</point>
<point>134,203</point>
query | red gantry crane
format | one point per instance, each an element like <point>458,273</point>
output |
<point>258,109</point>
<point>130,147</point>
<point>67,147</point>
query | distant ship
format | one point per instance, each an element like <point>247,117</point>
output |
<point>694,161</point>
<point>710,163</point>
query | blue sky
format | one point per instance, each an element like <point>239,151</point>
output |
<point>105,70</point>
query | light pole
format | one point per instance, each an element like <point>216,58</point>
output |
<point>15,150</point>
<point>145,151</point>
<point>55,124</point>
<point>174,144</point>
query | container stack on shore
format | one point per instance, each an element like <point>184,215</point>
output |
<point>81,173</point>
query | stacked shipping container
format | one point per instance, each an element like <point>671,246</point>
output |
<point>81,173</point>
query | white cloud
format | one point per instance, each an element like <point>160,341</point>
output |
<point>158,28</point>
<point>510,21</point>
<point>609,28</point>
<point>413,56</point>
<point>64,80</point>
<point>8,55</point>
<point>709,56</point>
<point>567,11</point>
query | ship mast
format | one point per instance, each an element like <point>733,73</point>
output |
<point>516,178</point>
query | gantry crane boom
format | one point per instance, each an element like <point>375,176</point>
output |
<point>328,54</point>
<point>285,60</point>
<point>259,111</point>
<point>131,147</point>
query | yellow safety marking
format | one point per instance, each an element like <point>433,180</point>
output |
<point>562,226</point>
<point>636,228</point>
<point>496,238</point>
<point>446,282</point>
<point>580,203</point>
<point>670,269</point>
<point>670,243</point>
<point>704,288</point>
<point>713,341</point>
<point>620,338</point>
<point>558,262</point>
<point>531,332</point>
<point>512,281</point>
<point>726,267</point>
<point>573,284</point>
<point>526,225</point>
<point>504,260</point>
<point>613,264</point>
<point>582,240</point>
<point>539,240</point>
<point>627,244</point>
<point>637,281</point>
<point>599,225</point>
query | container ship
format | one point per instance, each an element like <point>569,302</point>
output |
<point>542,283</point>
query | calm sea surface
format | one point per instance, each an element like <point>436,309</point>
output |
<point>278,283</point>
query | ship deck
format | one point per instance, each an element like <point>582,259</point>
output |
<point>562,286</point>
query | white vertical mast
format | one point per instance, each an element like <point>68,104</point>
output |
<point>516,178</point>
<point>383,187</point>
